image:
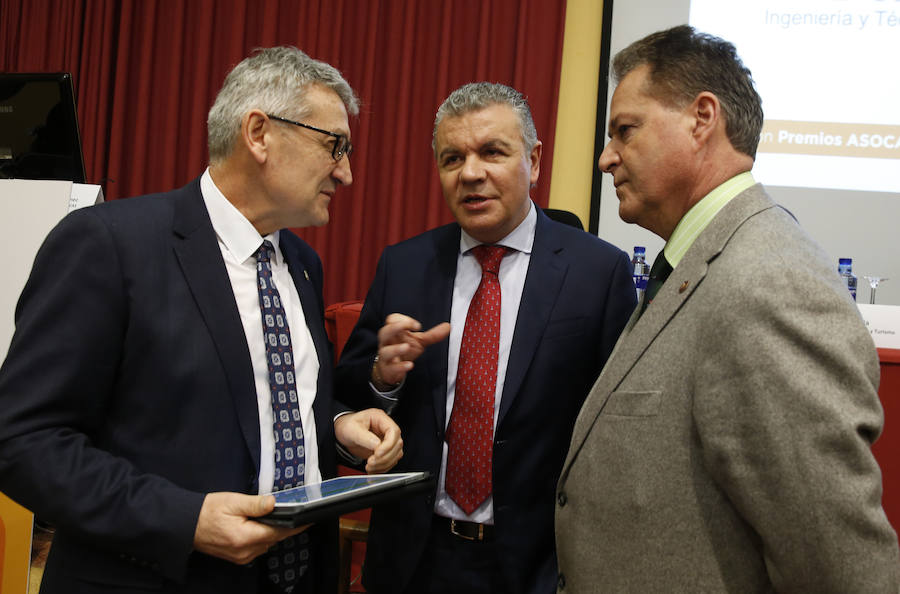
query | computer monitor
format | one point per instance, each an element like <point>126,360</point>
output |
<point>39,136</point>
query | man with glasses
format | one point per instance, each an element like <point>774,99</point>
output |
<point>534,308</point>
<point>170,362</point>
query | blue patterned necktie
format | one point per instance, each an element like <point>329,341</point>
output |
<point>286,563</point>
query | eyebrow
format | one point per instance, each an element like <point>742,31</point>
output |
<point>616,122</point>
<point>447,151</point>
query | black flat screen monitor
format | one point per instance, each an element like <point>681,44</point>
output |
<point>39,136</point>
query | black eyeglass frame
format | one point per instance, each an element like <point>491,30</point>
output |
<point>341,147</point>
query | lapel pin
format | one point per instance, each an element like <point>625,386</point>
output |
<point>305,274</point>
<point>683,286</point>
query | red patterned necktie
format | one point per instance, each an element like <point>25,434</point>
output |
<point>470,434</point>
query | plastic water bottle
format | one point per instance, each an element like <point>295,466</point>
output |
<point>845,269</point>
<point>640,271</point>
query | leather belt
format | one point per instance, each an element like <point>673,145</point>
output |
<point>467,530</point>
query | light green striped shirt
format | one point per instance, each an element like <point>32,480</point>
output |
<point>700,215</point>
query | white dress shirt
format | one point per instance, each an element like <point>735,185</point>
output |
<point>238,240</point>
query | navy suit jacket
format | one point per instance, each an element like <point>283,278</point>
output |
<point>577,297</point>
<point>128,394</point>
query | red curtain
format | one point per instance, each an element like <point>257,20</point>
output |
<point>146,72</point>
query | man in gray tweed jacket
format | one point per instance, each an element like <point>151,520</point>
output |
<point>726,445</point>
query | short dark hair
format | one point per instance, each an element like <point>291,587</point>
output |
<point>684,63</point>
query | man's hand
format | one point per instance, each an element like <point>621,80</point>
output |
<point>225,528</point>
<point>400,342</point>
<point>373,435</point>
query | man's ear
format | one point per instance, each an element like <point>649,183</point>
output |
<point>255,131</point>
<point>535,159</point>
<point>707,112</point>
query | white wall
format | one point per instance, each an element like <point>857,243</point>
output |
<point>862,225</point>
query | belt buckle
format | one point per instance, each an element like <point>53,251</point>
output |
<point>466,536</point>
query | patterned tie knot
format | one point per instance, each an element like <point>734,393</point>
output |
<point>265,251</point>
<point>489,256</point>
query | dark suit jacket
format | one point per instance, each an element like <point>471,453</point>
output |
<point>577,297</point>
<point>128,394</point>
<point>726,445</point>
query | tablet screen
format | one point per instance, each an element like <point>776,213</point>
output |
<point>339,487</point>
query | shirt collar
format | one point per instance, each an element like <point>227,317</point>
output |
<point>236,233</point>
<point>701,214</point>
<point>520,239</point>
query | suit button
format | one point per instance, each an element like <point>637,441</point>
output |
<point>561,584</point>
<point>562,499</point>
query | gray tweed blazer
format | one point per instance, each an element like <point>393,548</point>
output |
<point>726,445</point>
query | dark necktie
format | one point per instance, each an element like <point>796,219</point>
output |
<point>659,272</point>
<point>470,433</point>
<point>286,563</point>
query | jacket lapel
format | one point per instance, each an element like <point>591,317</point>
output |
<point>198,254</point>
<point>305,280</point>
<point>313,309</point>
<point>438,295</point>
<point>546,271</point>
<point>642,330</point>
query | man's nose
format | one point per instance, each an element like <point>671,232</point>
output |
<point>472,169</point>
<point>609,158</point>
<point>342,172</point>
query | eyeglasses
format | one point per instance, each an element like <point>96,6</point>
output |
<point>341,146</point>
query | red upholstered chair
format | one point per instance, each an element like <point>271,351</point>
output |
<point>340,318</point>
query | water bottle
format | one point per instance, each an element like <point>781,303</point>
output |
<point>640,271</point>
<point>845,269</point>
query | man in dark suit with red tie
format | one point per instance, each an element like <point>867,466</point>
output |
<point>488,401</point>
<point>170,363</point>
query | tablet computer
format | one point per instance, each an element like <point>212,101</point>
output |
<point>344,494</point>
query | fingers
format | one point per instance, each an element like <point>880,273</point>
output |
<point>263,504</point>
<point>399,344</point>
<point>395,328</point>
<point>388,452</point>
<point>373,435</point>
<point>435,334</point>
<point>226,528</point>
<point>352,430</point>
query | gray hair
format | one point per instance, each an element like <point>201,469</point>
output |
<point>684,63</point>
<point>273,80</point>
<point>478,95</point>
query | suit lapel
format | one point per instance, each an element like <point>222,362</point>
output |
<point>438,295</point>
<point>313,310</point>
<point>639,334</point>
<point>546,271</point>
<point>198,254</point>
<point>314,315</point>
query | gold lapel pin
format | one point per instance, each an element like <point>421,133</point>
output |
<point>683,286</point>
<point>305,274</point>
